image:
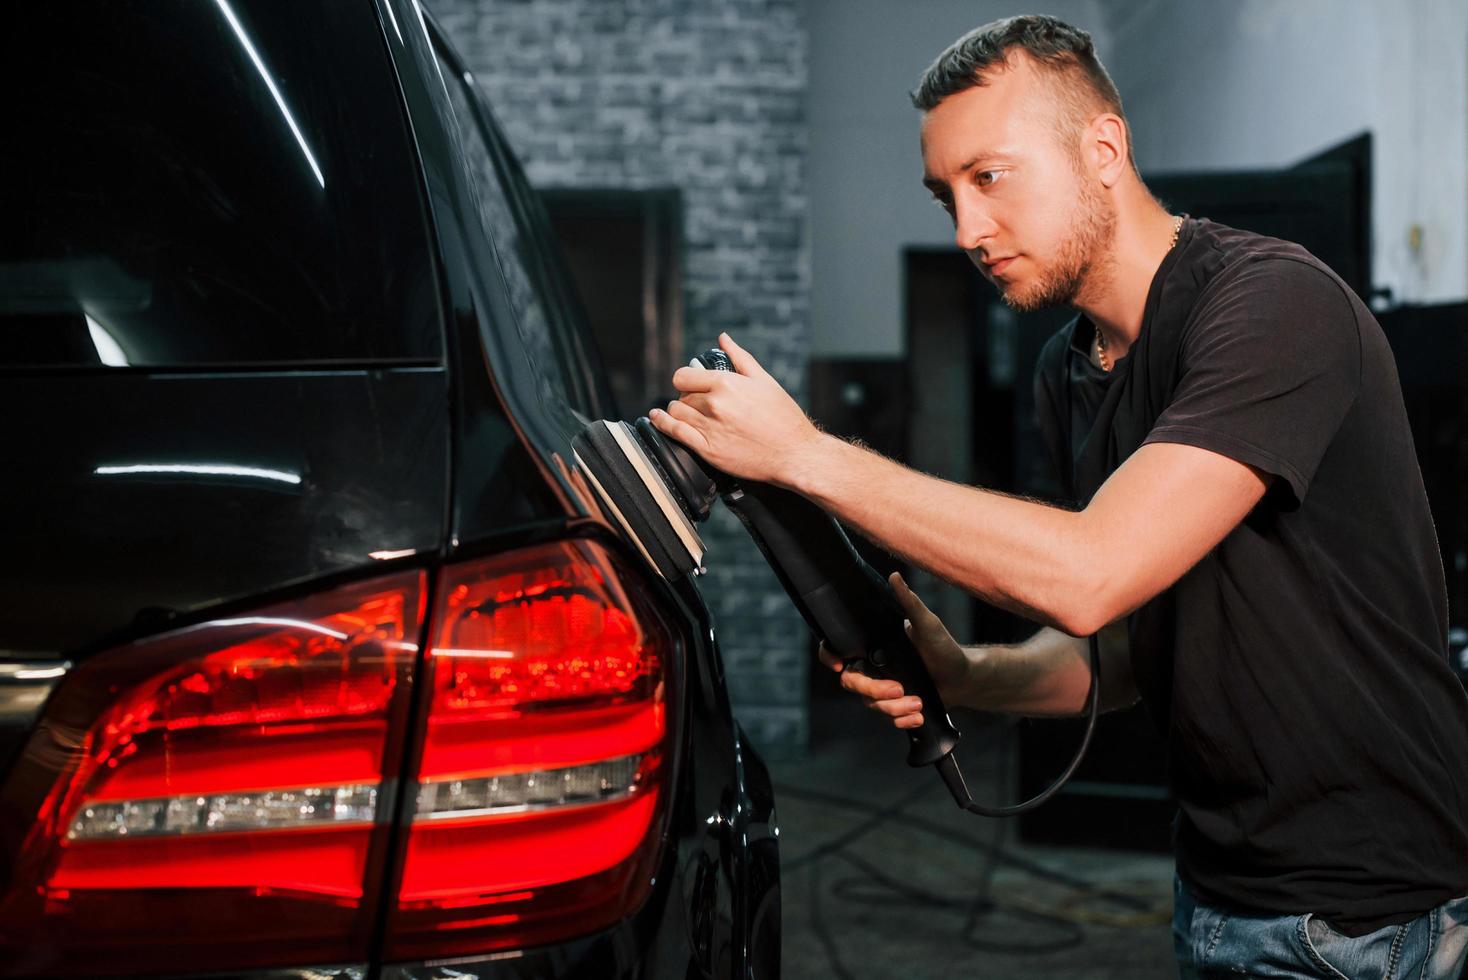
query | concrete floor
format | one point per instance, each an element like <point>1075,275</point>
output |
<point>840,921</point>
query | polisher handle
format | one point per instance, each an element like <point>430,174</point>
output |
<point>842,598</point>
<point>899,661</point>
<point>844,601</point>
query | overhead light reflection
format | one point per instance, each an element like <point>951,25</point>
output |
<point>107,347</point>
<point>299,624</point>
<point>202,469</point>
<point>390,555</point>
<point>393,17</point>
<point>39,673</point>
<point>270,84</point>
<point>423,23</point>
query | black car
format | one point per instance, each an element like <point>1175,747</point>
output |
<point>318,656</point>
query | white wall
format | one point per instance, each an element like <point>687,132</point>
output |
<point>1208,84</point>
<point>864,173</point>
<point>1263,83</point>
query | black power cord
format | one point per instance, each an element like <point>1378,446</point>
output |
<point>872,822</point>
<point>952,778</point>
<point>975,909</point>
<point>998,855</point>
<point>876,886</point>
<point>818,925</point>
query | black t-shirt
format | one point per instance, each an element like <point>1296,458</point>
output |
<point>1317,738</point>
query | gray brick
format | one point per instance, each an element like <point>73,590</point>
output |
<point>707,96</point>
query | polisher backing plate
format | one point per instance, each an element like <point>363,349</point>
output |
<point>611,505</point>
<point>630,484</point>
<point>653,478</point>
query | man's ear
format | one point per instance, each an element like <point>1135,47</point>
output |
<point>1108,147</point>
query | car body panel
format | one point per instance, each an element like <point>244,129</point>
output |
<point>326,473</point>
<point>162,494</point>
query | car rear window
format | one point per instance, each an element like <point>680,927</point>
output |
<point>196,182</point>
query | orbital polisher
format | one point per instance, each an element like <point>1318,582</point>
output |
<point>657,489</point>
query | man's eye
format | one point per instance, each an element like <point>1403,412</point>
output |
<point>985,178</point>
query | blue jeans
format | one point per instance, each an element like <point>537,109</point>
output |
<point>1211,943</point>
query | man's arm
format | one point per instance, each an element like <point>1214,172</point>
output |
<point>1048,674</point>
<point>1165,508</point>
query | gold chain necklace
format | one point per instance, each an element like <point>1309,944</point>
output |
<point>1177,226</point>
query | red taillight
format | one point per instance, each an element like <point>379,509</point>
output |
<point>540,776</point>
<point>209,797</point>
<point>218,797</point>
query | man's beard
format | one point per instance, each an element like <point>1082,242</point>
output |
<point>1085,253</point>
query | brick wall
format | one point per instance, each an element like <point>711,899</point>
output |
<point>707,96</point>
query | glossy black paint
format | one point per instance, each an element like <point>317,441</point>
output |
<point>440,461</point>
<point>715,909</point>
<point>137,497</point>
<point>165,206</point>
<point>504,430</point>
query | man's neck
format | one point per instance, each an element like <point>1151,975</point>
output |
<point>1115,296</point>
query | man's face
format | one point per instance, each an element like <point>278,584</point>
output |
<point>1022,207</point>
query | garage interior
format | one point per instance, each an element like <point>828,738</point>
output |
<point>753,166</point>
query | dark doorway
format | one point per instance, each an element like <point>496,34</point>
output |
<point>1430,344</point>
<point>1322,203</point>
<point>971,361</point>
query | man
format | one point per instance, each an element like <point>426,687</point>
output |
<point>1227,417</point>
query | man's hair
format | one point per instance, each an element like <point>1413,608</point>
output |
<point>1063,52</point>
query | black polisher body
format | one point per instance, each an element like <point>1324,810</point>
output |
<point>658,489</point>
<point>845,603</point>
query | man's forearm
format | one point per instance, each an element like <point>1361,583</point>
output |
<point>1047,675</point>
<point>1164,508</point>
<point>1024,556</point>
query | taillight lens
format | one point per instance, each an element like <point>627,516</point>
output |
<point>209,797</point>
<point>540,778</point>
<point>219,797</point>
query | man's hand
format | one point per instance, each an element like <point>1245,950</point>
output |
<point>1047,675</point>
<point>744,424</point>
<point>947,663</point>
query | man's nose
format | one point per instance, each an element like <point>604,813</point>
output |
<point>973,225</point>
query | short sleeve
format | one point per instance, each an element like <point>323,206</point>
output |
<point>1269,367</point>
